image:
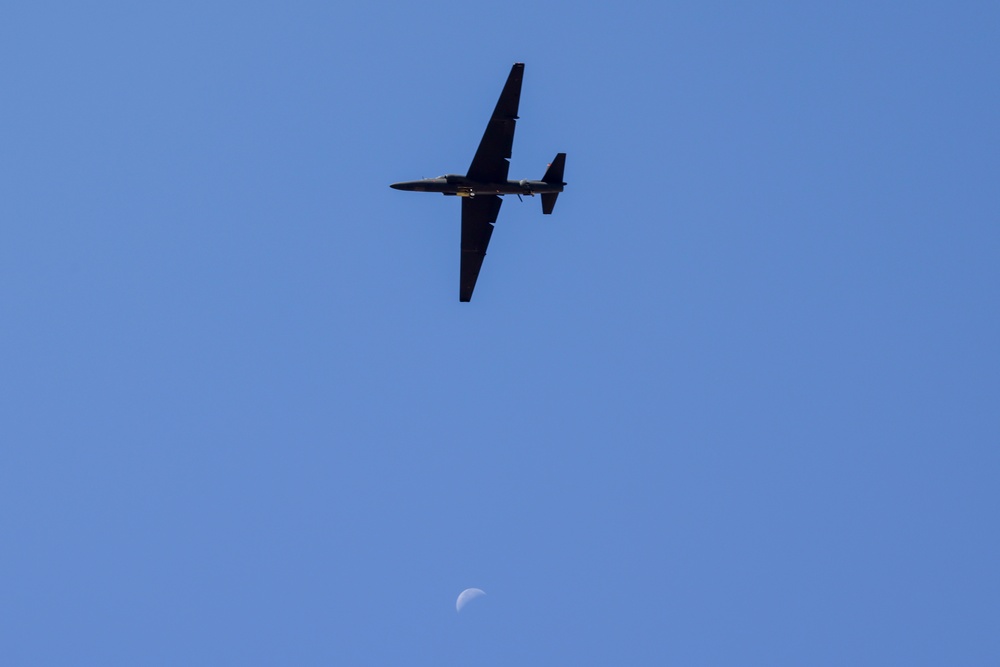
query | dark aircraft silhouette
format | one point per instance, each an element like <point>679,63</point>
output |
<point>486,181</point>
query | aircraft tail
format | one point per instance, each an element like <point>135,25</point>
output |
<point>554,175</point>
<point>548,202</point>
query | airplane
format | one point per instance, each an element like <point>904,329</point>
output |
<point>486,182</point>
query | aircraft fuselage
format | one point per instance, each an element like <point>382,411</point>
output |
<point>456,184</point>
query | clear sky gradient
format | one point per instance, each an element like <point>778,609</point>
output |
<point>736,402</point>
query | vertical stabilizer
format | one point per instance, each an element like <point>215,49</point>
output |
<point>554,176</point>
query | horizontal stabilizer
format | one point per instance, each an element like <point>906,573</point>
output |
<point>548,202</point>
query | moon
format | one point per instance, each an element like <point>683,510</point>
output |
<point>465,596</point>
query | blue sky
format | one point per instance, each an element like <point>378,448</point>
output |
<point>735,402</point>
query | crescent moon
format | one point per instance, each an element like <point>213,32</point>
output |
<point>465,596</point>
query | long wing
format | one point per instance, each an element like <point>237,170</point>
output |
<point>490,164</point>
<point>478,215</point>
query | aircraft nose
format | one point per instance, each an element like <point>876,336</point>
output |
<point>401,186</point>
